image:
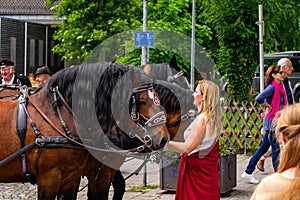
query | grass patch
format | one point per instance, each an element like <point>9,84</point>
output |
<point>142,188</point>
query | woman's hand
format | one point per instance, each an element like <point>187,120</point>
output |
<point>268,107</point>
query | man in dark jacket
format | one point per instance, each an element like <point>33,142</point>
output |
<point>8,75</point>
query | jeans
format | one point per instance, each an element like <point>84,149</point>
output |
<point>269,139</point>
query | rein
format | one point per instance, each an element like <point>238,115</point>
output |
<point>190,114</point>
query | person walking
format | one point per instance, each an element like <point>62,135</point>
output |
<point>198,176</point>
<point>273,98</point>
<point>9,76</point>
<point>287,68</point>
<point>285,184</point>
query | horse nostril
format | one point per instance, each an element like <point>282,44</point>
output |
<point>163,141</point>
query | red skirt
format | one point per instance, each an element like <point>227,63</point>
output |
<point>199,178</point>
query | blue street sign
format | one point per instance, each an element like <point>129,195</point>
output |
<point>143,38</point>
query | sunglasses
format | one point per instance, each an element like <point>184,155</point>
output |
<point>280,72</point>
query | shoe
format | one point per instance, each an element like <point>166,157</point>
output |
<point>260,165</point>
<point>250,178</point>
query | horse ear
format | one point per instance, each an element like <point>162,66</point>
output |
<point>147,69</point>
<point>173,63</point>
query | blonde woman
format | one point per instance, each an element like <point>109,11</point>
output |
<point>285,184</point>
<point>198,176</point>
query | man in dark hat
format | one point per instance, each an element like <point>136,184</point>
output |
<point>42,75</point>
<point>9,76</point>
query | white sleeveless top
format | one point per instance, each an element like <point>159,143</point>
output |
<point>208,141</point>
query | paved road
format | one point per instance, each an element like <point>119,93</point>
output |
<point>243,190</point>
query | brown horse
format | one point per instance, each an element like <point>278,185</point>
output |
<point>40,141</point>
<point>177,101</point>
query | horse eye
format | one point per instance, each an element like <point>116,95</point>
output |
<point>142,103</point>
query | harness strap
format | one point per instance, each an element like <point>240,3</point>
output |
<point>14,96</point>
<point>64,101</point>
<point>41,142</point>
<point>18,153</point>
<point>119,132</point>
<point>36,162</point>
<point>10,87</point>
<point>21,122</point>
<point>21,125</point>
<point>63,123</point>
<point>191,114</point>
<point>136,172</point>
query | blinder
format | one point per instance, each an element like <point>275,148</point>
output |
<point>142,121</point>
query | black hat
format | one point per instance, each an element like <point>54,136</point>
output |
<point>6,63</point>
<point>42,70</point>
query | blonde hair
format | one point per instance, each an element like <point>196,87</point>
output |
<point>211,105</point>
<point>289,125</point>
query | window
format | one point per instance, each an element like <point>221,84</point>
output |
<point>41,52</point>
<point>13,49</point>
<point>32,53</point>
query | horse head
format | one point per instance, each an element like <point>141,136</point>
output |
<point>105,98</point>
<point>147,117</point>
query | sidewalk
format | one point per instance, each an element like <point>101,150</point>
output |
<point>243,190</point>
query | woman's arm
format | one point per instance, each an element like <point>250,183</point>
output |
<point>267,106</point>
<point>193,140</point>
<point>266,94</point>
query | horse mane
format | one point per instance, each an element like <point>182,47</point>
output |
<point>170,100</point>
<point>162,71</point>
<point>174,97</point>
<point>64,80</point>
<point>96,88</point>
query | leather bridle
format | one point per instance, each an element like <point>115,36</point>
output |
<point>140,120</point>
<point>189,115</point>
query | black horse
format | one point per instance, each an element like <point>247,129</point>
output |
<point>170,72</point>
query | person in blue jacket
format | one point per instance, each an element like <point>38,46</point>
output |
<point>273,98</point>
<point>287,67</point>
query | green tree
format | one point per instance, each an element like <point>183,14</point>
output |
<point>234,25</point>
<point>171,15</point>
<point>282,28</point>
<point>235,45</point>
<point>89,22</point>
<point>226,28</point>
